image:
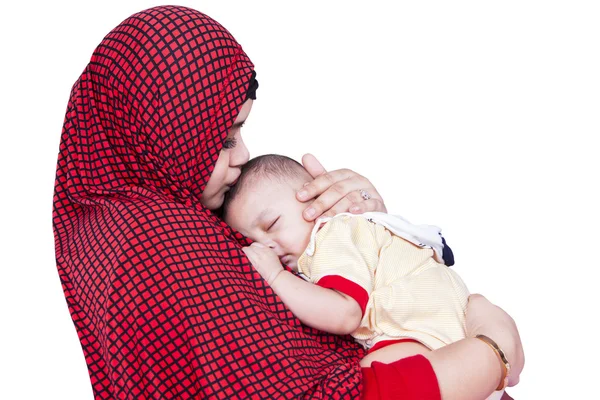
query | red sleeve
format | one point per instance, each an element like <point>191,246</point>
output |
<point>348,287</point>
<point>411,378</point>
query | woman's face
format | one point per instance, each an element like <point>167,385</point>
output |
<point>227,170</point>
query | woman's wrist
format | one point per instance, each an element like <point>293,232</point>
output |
<point>466,369</point>
<point>501,357</point>
<point>486,318</point>
<point>495,368</point>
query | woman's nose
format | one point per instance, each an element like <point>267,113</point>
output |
<point>239,154</point>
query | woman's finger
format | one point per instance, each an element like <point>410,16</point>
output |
<point>348,203</point>
<point>326,202</point>
<point>367,206</point>
<point>331,189</point>
<point>340,207</point>
<point>341,181</point>
<point>325,181</point>
<point>312,165</point>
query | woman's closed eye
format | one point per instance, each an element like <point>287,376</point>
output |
<point>229,143</point>
<point>231,140</point>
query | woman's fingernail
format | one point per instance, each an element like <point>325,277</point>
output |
<point>310,212</point>
<point>355,209</point>
<point>302,194</point>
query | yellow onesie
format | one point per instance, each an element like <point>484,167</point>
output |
<point>402,290</point>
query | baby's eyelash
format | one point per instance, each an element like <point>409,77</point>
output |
<point>273,224</point>
<point>229,143</point>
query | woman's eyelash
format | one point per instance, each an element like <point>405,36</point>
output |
<point>274,222</point>
<point>229,143</point>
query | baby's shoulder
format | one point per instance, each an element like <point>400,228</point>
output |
<point>349,224</point>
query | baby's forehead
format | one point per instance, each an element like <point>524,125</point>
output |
<point>269,182</point>
<point>269,191</point>
<point>257,186</point>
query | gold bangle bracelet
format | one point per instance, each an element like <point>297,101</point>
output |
<point>505,364</point>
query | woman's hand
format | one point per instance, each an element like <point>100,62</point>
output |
<point>264,260</point>
<point>469,369</point>
<point>488,319</point>
<point>338,191</point>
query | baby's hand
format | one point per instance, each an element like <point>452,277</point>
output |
<point>264,260</point>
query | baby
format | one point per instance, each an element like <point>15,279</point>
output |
<point>374,276</point>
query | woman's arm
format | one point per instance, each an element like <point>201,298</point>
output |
<point>469,369</point>
<point>465,370</point>
<point>321,308</point>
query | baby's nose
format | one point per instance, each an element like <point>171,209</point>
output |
<point>273,246</point>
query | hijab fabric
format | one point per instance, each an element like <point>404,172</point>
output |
<point>165,303</point>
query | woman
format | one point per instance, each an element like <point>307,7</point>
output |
<point>165,303</point>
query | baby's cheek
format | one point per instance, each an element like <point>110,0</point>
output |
<point>303,242</point>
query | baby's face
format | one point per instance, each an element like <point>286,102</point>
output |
<point>267,212</point>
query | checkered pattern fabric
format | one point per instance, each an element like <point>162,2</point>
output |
<point>165,303</point>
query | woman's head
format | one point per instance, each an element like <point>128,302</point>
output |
<point>233,155</point>
<point>154,107</point>
<point>228,167</point>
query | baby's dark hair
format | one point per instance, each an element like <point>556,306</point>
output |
<point>273,166</point>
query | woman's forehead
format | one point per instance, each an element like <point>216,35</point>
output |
<point>244,111</point>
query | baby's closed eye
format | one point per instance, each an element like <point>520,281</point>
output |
<point>272,224</point>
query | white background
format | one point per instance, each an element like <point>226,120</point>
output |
<point>480,117</point>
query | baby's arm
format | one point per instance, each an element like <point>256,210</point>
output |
<point>316,306</point>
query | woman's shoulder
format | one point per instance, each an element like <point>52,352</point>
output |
<point>154,222</point>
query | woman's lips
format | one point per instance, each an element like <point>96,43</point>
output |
<point>234,182</point>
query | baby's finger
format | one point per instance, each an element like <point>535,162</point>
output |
<point>250,253</point>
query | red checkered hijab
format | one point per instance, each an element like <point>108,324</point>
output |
<point>165,303</point>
